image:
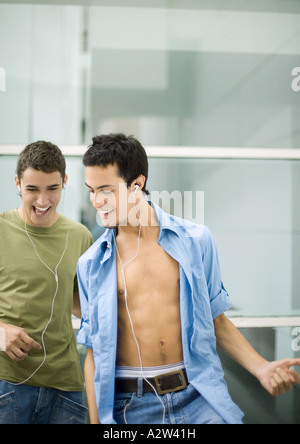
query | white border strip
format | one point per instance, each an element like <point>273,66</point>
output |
<point>184,152</point>
<point>248,322</point>
<point>225,153</point>
<point>266,322</point>
<point>76,323</point>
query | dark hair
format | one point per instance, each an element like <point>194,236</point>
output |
<point>41,156</point>
<point>117,149</point>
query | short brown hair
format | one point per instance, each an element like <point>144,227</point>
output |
<point>41,156</point>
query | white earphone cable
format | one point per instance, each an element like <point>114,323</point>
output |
<point>123,266</point>
<point>55,273</point>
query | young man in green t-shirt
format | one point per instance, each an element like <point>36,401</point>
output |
<point>40,376</point>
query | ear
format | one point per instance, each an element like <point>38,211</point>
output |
<point>18,183</point>
<point>138,182</point>
<point>65,181</point>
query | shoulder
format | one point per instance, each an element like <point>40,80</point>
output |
<point>9,218</point>
<point>8,215</point>
<point>80,235</point>
<point>191,233</point>
<point>76,227</point>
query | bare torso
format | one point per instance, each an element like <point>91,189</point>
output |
<point>153,286</point>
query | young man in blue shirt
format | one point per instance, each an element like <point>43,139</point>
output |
<point>153,306</point>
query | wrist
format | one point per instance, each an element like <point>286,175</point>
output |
<point>3,325</point>
<point>259,367</point>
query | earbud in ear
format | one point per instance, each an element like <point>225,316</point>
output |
<point>136,187</point>
<point>19,188</point>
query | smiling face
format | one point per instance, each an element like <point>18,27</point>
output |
<point>41,193</point>
<point>109,195</point>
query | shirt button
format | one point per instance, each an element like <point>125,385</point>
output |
<point>101,262</point>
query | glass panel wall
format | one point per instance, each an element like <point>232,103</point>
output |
<point>177,73</point>
<point>183,72</point>
<point>173,73</point>
<point>259,407</point>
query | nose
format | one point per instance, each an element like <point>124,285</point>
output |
<point>42,199</point>
<point>98,200</point>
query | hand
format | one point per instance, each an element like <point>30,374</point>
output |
<point>296,376</point>
<point>278,377</point>
<point>16,342</point>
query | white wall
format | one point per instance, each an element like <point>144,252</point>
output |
<point>40,52</point>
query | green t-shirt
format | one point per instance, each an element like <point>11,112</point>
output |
<point>27,290</point>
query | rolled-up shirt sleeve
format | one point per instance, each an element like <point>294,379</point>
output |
<point>84,334</point>
<point>219,298</point>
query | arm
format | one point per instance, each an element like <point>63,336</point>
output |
<point>84,338</point>
<point>276,377</point>
<point>89,374</point>
<point>76,311</point>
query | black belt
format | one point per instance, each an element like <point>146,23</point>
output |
<point>163,384</point>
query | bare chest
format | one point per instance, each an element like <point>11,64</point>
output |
<point>153,301</point>
<point>153,271</point>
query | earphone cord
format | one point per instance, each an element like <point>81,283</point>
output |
<point>131,322</point>
<point>53,301</point>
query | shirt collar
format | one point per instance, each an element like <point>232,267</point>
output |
<point>166,222</point>
<point>107,239</point>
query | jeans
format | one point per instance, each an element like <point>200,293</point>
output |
<point>184,407</point>
<point>25,404</point>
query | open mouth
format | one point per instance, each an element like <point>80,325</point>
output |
<point>105,213</point>
<point>41,212</point>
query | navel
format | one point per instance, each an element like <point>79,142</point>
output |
<point>163,355</point>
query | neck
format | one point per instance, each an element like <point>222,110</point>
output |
<point>144,220</point>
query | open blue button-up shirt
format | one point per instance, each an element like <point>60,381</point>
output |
<point>202,299</point>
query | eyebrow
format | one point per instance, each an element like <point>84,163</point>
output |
<point>101,187</point>
<point>49,186</point>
